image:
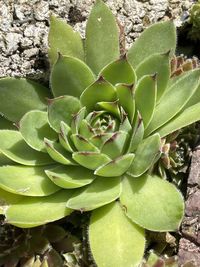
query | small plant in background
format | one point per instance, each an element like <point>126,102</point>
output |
<point>91,144</point>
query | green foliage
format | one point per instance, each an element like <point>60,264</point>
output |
<point>94,144</point>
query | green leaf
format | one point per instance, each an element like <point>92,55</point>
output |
<point>115,145</point>
<point>77,119</point>
<point>35,211</point>
<point>99,91</point>
<point>34,127</point>
<point>187,117</point>
<point>174,100</point>
<point>64,40</point>
<point>145,154</point>
<point>152,203</point>
<point>70,176</point>
<point>102,37</point>
<point>7,199</point>
<point>64,136</point>
<point>110,107</point>
<point>18,96</point>
<point>156,64</point>
<point>83,144</point>
<point>119,71</point>
<point>125,96</point>
<point>90,160</point>
<point>62,109</point>
<point>116,167</point>
<point>101,192</point>
<point>14,147</point>
<point>146,90</point>
<point>137,134</point>
<point>28,181</point>
<point>114,240</point>
<point>4,160</point>
<point>58,153</point>
<point>70,76</point>
<point>6,124</point>
<point>158,38</point>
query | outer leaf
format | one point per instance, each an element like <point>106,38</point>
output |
<point>63,39</point>
<point>90,160</point>
<point>23,94</point>
<point>34,127</point>
<point>15,148</point>
<point>174,100</point>
<point>5,124</point>
<point>32,211</point>
<point>102,191</point>
<point>187,117</point>
<point>62,109</point>
<point>70,176</point>
<point>119,71</point>
<point>145,98</point>
<point>115,167</point>
<point>152,203</point>
<point>145,154</point>
<point>6,199</point>
<point>158,38</point>
<point>114,240</point>
<point>28,181</point>
<point>99,91</point>
<point>70,76</point>
<point>102,37</point>
<point>159,64</point>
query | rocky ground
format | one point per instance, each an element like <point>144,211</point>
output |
<point>24,27</point>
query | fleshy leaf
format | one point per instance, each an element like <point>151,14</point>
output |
<point>90,160</point>
<point>187,117</point>
<point>64,136</point>
<point>152,203</point>
<point>6,124</point>
<point>159,64</point>
<point>58,153</point>
<point>83,144</point>
<point>62,109</point>
<point>125,96</point>
<point>5,160</point>
<point>63,39</point>
<point>102,191</point>
<point>34,127</point>
<point>158,38</point>
<point>145,154</point>
<point>85,129</point>
<point>70,176</point>
<point>35,211</point>
<point>27,181</point>
<point>100,90</point>
<point>137,134</point>
<point>24,94</point>
<point>7,199</point>
<point>145,97</point>
<point>115,241</point>
<point>77,119</point>
<point>99,139</point>
<point>14,147</point>
<point>111,107</point>
<point>70,76</point>
<point>116,167</point>
<point>114,146</point>
<point>102,37</point>
<point>174,100</point>
<point>119,71</point>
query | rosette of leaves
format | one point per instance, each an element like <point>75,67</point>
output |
<point>90,148</point>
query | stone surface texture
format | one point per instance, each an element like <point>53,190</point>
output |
<point>24,27</point>
<point>189,246</point>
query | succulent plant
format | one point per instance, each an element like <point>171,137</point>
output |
<point>90,143</point>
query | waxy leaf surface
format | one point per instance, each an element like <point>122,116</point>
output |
<point>102,37</point>
<point>18,96</point>
<point>152,203</point>
<point>115,241</point>
<point>63,39</point>
<point>70,76</point>
<point>158,38</point>
<point>102,191</point>
<point>28,181</point>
